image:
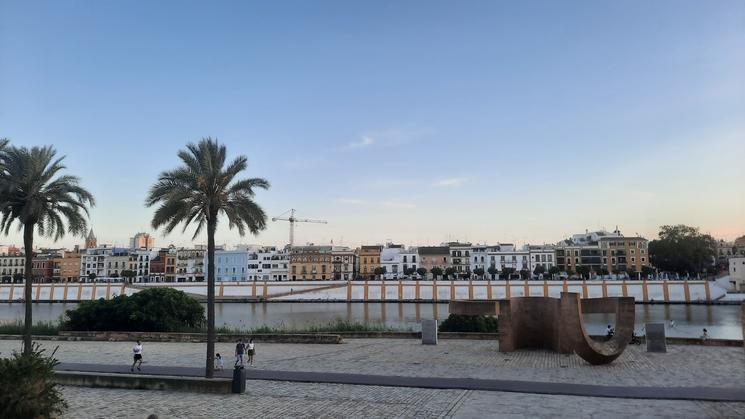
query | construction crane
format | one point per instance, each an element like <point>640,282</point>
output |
<point>294,220</point>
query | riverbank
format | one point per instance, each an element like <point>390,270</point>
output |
<point>385,291</point>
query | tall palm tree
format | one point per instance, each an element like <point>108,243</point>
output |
<point>32,194</point>
<point>200,191</point>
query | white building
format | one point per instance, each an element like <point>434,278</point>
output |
<point>104,263</point>
<point>737,272</point>
<point>390,260</point>
<point>190,264</point>
<point>542,256</point>
<point>409,258</point>
<point>460,258</point>
<point>505,255</point>
<point>280,265</point>
<point>260,262</point>
<point>479,258</point>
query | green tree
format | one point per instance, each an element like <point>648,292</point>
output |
<point>199,191</point>
<point>554,270</point>
<point>128,275</point>
<point>647,271</point>
<point>479,272</point>
<point>150,310</point>
<point>379,271</point>
<point>17,278</point>
<point>583,271</point>
<point>92,276</point>
<point>422,272</point>
<point>524,274</point>
<point>493,271</point>
<point>436,272</point>
<point>409,272</point>
<point>449,272</point>
<point>33,194</point>
<point>682,249</point>
<point>603,271</point>
<point>539,270</point>
<point>506,272</point>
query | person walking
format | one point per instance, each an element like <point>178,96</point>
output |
<point>137,350</point>
<point>240,349</point>
<point>251,351</point>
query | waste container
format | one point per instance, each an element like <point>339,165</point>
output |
<point>239,380</point>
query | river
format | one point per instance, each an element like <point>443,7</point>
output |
<point>722,321</point>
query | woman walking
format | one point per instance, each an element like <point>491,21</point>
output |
<point>251,351</point>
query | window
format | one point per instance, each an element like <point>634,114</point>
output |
<point>644,260</point>
<point>404,258</point>
<point>413,259</point>
<point>633,260</point>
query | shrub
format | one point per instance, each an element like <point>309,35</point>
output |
<point>477,324</point>
<point>150,310</point>
<point>27,387</point>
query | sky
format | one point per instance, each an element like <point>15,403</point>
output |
<point>415,122</point>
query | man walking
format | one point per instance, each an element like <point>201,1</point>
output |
<point>240,349</point>
<point>137,357</point>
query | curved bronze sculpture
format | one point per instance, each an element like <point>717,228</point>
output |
<point>556,323</point>
<point>545,322</point>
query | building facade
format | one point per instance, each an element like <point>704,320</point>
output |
<point>434,256</point>
<point>11,264</point>
<point>369,260</point>
<point>343,261</point>
<point>142,241</point>
<point>311,263</point>
<point>737,272</point>
<point>190,264</point>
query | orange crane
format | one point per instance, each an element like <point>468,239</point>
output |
<point>294,220</point>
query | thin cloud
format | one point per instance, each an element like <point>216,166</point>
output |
<point>398,205</point>
<point>365,141</point>
<point>351,201</point>
<point>453,182</point>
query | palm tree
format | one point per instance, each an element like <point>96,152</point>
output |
<point>198,192</point>
<point>32,194</point>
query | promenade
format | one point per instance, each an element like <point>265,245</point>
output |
<point>683,367</point>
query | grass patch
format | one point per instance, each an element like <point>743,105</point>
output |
<point>47,328</point>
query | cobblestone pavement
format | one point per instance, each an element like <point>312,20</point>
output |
<point>295,400</point>
<point>683,365</point>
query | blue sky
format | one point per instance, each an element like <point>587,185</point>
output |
<point>416,122</point>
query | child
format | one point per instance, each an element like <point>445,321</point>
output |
<point>251,351</point>
<point>219,364</point>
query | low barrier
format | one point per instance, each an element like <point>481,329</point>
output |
<point>144,382</point>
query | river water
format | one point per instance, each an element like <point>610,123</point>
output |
<point>722,321</point>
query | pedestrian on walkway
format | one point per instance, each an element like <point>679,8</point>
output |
<point>219,364</point>
<point>137,350</point>
<point>240,349</point>
<point>251,351</point>
<point>705,336</point>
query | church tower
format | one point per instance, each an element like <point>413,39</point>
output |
<point>90,241</point>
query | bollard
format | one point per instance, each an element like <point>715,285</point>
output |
<point>429,332</point>
<point>239,380</point>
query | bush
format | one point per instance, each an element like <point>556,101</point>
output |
<point>27,387</point>
<point>150,310</point>
<point>477,324</point>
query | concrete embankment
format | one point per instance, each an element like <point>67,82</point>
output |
<point>686,292</point>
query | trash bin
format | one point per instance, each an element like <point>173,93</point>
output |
<point>239,380</point>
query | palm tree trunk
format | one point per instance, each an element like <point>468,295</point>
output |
<point>210,367</point>
<point>28,245</point>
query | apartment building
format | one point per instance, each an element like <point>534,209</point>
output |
<point>602,250</point>
<point>142,241</point>
<point>409,258</point>
<point>343,261</point>
<point>67,266</point>
<point>434,256</point>
<point>311,263</point>
<point>369,260</point>
<point>190,264</point>
<point>11,264</point>
<point>506,255</point>
<point>541,255</point>
<point>460,257</point>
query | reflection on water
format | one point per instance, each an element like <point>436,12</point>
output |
<point>720,321</point>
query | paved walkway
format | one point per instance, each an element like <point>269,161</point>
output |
<point>565,389</point>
